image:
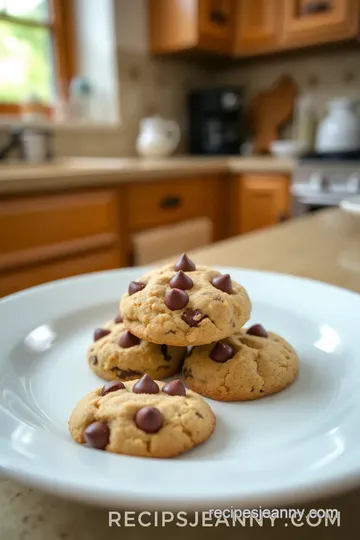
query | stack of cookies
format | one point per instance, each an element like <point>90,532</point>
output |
<point>179,317</point>
<point>195,307</point>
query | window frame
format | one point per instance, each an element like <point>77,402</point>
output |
<point>61,26</point>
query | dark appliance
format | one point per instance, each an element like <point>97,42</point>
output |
<point>216,121</point>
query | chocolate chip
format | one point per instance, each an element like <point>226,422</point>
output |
<point>221,352</point>
<point>97,435</point>
<point>176,299</point>
<point>118,319</point>
<point>149,419</point>
<point>112,386</point>
<point>124,373</point>
<point>127,340</point>
<point>135,286</point>
<point>193,317</point>
<point>181,281</point>
<point>174,388</point>
<point>165,353</point>
<point>185,264</point>
<point>257,330</point>
<point>223,283</point>
<point>93,360</point>
<point>100,333</point>
<point>145,385</point>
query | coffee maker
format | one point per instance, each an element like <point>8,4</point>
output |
<point>215,121</point>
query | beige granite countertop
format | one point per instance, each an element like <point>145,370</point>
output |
<point>67,173</point>
<point>323,246</point>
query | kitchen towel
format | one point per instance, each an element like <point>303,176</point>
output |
<point>162,242</point>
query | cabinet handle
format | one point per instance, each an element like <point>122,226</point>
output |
<point>218,17</point>
<point>315,7</point>
<point>170,201</point>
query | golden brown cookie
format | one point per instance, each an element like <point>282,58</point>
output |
<point>142,418</point>
<point>251,364</point>
<point>117,354</point>
<point>185,305</point>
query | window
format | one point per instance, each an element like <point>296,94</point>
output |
<point>36,50</point>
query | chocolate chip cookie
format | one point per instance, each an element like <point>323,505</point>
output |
<point>249,365</point>
<point>118,354</point>
<point>183,304</point>
<point>142,418</point>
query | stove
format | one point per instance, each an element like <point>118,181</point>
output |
<point>324,180</point>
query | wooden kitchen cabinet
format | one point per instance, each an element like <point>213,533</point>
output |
<point>159,203</point>
<point>52,236</point>
<point>250,27</point>
<point>183,25</point>
<point>260,200</point>
<point>311,22</point>
<point>258,26</point>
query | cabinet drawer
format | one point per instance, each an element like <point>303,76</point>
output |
<point>159,203</point>
<point>11,282</point>
<point>46,226</point>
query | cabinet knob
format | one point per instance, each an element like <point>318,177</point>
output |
<point>218,17</point>
<point>315,7</point>
<point>170,201</point>
<point>217,14</point>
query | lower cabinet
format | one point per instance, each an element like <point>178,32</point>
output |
<point>51,236</point>
<point>259,201</point>
<point>57,235</point>
<point>21,278</point>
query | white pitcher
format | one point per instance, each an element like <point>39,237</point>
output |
<point>158,137</point>
<point>339,131</point>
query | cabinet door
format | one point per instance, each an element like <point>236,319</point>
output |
<point>257,26</point>
<point>24,277</point>
<point>216,25</point>
<point>172,25</point>
<point>57,235</point>
<point>308,22</point>
<point>264,201</point>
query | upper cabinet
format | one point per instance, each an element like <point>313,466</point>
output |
<point>249,27</point>
<point>257,26</point>
<point>180,25</point>
<point>310,22</point>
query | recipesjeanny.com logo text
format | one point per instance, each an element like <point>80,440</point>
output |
<point>229,517</point>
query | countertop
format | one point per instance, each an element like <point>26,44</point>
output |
<point>324,246</point>
<point>67,173</point>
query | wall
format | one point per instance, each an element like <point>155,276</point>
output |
<point>147,86</point>
<point>323,75</point>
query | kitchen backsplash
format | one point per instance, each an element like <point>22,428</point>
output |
<point>147,86</point>
<point>151,85</point>
<point>324,75</point>
<point>159,86</point>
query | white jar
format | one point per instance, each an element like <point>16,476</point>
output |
<point>339,131</point>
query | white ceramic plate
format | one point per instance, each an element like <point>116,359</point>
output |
<point>351,205</point>
<point>302,442</point>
